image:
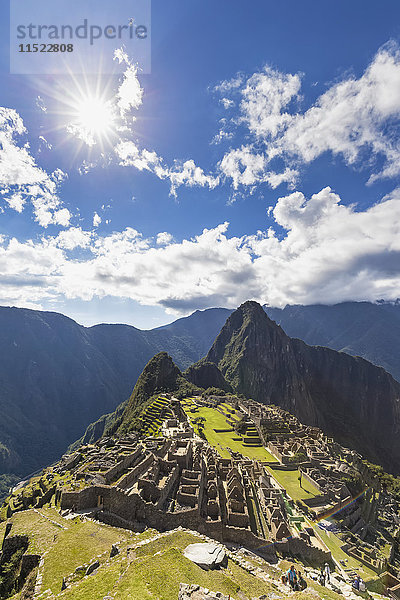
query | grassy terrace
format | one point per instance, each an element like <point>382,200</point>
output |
<point>67,546</point>
<point>290,481</point>
<point>224,440</point>
<point>154,572</point>
<point>334,543</point>
<point>152,419</point>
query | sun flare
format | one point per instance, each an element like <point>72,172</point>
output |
<point>95,115</point>
<point>94,120</point>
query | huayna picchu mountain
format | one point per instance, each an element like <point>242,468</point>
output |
<point>348,397</point>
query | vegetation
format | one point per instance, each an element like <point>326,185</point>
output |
<point>299,457</point>
<point>213,391</point>
<point>9,572</point>
<point>77,545</point>
<point>152,571</point>
<point>290,481</point>
<point>6,482</point>
<point>159,376</point>
<point>200,422</point>
<point>155,570</point>
<point>241,425</point>
<point>389,482</point>
<point>221,434</point>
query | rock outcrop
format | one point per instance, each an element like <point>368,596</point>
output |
<point>207,556</point>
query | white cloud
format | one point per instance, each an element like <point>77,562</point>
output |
<point>265,96</point>
<point>41,104</point>
<point>329,252</point>
<point>21,179</point>
<point>230,84</point>
<point>164,238</point>
<point>130,92</point>
<point>16,202</point>
<point>44,143</point>
<point>186,173</point>
<point>356,118</point>
<point>96,219</point>
<point>73,238</point>
<point>245,167</point>
<point>227,103</point>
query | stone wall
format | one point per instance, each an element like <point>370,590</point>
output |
<point>46,497</point>
<point>189,591</point>
<point>123,464</point>
<point>131,477</point>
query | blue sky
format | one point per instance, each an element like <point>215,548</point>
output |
<point>259,159</point>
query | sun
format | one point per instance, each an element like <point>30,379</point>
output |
<point>93,119</point>
<point>95,115</point>
<point>86,115</point>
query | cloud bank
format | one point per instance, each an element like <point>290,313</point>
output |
<point>328,253</point>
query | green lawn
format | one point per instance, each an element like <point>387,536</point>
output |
<point>40,531</point>
<point>77,545</point>
<point>157,569</point>
<point>157,577</point>
<point>223,441</point>
<point>290,481</point>
<point>334,543</point>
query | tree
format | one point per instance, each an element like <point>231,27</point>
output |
<point>200,422</point>
<point>241,426</point>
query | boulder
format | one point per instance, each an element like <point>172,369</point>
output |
<point>92,567</point>
<point>207,556</point>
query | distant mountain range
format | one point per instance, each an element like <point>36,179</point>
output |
<point>370,330</point>
<point>56,376</point>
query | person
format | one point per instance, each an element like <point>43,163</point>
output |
<point>356,583</point>
<point>292,577</point>
<point>327,572</point>
<point>301,582</point>
<point>361,585</point>
<point>284,579</point>
<point>322,577</point>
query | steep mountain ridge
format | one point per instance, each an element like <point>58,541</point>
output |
<point>159,376</point>
<point>370,330</point>
<point>346,396</point>
<point>206,374</point>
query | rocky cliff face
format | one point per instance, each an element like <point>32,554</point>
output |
<point>206,374</point>
<point>370,330</point>
<point>346,396</point>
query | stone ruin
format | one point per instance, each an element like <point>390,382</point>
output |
<point>177,479</point>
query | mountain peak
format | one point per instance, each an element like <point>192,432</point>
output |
<point>343,395</point>
<point>159,375</point>
<point>252,309</point>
